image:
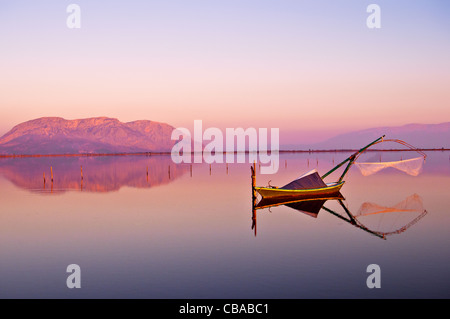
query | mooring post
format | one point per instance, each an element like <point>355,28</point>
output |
<point>253,178</point>
<point>44,179</point>
<point>253,199</point>
<point>81,170</point>
<point>51,173</point>
<point>253,185</point>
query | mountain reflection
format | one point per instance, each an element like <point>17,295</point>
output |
<point>90,174</point>
<point>378,220</point>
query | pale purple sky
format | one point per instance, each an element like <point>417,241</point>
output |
<point>310,68</point>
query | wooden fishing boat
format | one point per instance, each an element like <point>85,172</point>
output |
<point>308,205</point>
<point>309,192</point>
<point>310,184</point>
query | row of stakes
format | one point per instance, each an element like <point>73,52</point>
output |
<point>147,172</point>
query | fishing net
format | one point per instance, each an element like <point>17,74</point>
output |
<point>391,219</point>
<point>411,166</point>
<point>411,204</point>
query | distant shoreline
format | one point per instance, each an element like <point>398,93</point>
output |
<point>235,152</point>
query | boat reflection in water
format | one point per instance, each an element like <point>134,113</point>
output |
<point>411,207</point>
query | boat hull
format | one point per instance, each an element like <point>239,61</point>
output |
<point>271,192</point>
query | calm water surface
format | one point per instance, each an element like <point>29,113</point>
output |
<point>182,233</point>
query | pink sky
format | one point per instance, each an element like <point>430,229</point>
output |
<point>310,72</point>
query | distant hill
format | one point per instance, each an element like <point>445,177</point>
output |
<point>418,135</point>
<point>55,135</point>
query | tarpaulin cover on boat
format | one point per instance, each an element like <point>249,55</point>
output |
<point>310,180</point>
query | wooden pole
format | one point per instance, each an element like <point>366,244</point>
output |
<point>254,220</point>
<point>191,169</point>
<point>253,184</point>
<point>44,179</point>
<point>169,171</point>
<point>51,173</point>
<point>351,159</point>
<point>253,199</point>
<point>81,169</point>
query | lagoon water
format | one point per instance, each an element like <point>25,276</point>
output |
<point>183,233</point>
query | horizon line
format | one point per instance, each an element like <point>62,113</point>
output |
<point>226,152</point>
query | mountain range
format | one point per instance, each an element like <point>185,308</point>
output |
<point>103,135</point>
<point>426,136</point>
<point>55,135</point>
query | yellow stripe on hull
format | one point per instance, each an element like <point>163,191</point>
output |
<point>270,192</point>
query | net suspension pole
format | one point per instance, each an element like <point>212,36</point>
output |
<point>351,159</point>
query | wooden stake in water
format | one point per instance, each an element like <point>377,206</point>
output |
<point>169,171</point>
<point>253,184</point>
<point>81,170</point>
<point>51,173</point>
<point>44,179</point>
<point>191,169</point>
